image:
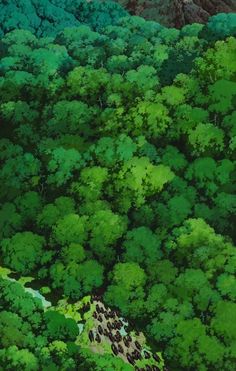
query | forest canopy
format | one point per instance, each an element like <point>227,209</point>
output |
<point>117,150</point>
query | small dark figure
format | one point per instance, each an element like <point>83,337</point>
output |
<point>114,349</point>
<point>102,310</point>
<point>97,308</point>
<point>138,346</point>
<point>155,368</point>
<point>91,336</point>
<point>126,342</point>
<point>118,334</point>
<point>134,355</point>
<point>148,368</point>
<point>129,338</point>
<point>121,350</point>
<point>106,315</point>
<point>119,325</point>
<point>100,330</point>
<point>109,326</point>
<point>112,327</point>
<point>100,318</point>
<point>146,355</point>
<point>156,357</point>
<point>98,339</point>
<point>105,331</point>
<point>113,314</point>
<point>95,315</point>
<point>111,337</point>
<point>130,359</point>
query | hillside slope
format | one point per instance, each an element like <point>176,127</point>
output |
<point>177,13</point>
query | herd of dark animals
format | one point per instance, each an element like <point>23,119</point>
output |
<point>112,324</point>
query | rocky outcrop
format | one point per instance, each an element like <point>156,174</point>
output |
<point>177,13</point>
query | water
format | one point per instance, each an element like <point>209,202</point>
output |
<point>36,294</point>
<point>81,327</point>
<point>125,324</point>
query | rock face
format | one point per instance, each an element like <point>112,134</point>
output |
<point>177,13</point>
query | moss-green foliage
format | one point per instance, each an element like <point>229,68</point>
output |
<point>48,17</point>
<point>117,173</point>
<point>32,339</point>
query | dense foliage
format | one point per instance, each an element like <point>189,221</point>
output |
<point>31,339</point>
<point>117,172</point>
<point>48,17</point>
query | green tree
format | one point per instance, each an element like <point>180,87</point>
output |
<point>138,179</point>
<point>105,228</point>
<point>10,220</point>
<point>223,322</point>
<point>51,213</point>
<point>23,252</point>
<point>19,359</point>
<point>219,27</point>
<point>127,289</point>
<point>71,228</point>
<point>206,138</point>
<point>141,246</point>
<point>29,206</point>
<point>91,183</point>
<point>73,278</point>
<point>62,164</point>
<point>151,117</point>
<point>163,325</point>
<point>87,83</point>
<point>13,330</point>
<point>20,173</point>
<point>60,328</point>
<point>70,117</point>
<point>192,347</point>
